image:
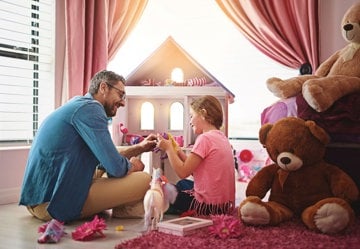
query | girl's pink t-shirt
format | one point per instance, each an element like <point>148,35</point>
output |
<point>214,178</point>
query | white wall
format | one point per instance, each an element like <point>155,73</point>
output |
<point>12,167</point>
<point>331,13</point>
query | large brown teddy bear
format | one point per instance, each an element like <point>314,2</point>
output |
<point>336,77</point>
<point>301,183</point>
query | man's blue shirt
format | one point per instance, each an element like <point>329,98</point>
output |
<point>68,146</point>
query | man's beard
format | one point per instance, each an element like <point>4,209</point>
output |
<point>109,110</point>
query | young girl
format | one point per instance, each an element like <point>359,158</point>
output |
<point>211,163</point>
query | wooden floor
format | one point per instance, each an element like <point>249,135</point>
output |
<point>18,230</point>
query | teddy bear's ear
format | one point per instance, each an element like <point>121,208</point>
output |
<point>351,13</point>
<point>318,132</point>
<point>264,130</point>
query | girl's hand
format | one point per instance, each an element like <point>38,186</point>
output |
<point>162,143</point>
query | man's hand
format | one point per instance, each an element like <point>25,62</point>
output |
<point>137,165</point>
<point>149,143</point>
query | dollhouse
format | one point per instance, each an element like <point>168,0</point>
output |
<point>159,92</point>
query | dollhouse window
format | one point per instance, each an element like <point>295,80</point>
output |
<point>176,116</point>
<point>147,116</point>
<point>177,75</point>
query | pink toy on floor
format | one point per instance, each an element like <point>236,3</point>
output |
<point>52,232</point>
<point>90,230</point>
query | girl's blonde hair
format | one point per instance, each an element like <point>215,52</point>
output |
<point>210,108</point>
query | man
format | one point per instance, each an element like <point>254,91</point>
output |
<point>71,143</point>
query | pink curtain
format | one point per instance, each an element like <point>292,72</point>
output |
<point>95,29</point>
<point>284,30</point>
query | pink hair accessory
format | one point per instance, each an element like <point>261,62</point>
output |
<point>90,230</point>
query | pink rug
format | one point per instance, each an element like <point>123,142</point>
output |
<point>291,234</point>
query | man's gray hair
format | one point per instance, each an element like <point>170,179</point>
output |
<point>109,77</point>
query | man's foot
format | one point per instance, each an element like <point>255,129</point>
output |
<point>129,211</point>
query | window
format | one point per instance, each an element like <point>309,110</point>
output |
<point>26,67</point>
<point>177,75</point>
<point>147,116</point>
<point>176,116</point>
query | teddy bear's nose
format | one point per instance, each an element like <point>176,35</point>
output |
<point>348,27</point>
<point>285,160</point>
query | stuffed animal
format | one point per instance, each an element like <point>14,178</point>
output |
<point>157,199</point>
<point>301,183</point>
<point>336,77</point>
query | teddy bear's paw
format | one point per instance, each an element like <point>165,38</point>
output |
<point>273,81</point>
<point>331,218</point>
<point>255,214</point>
<point>285,88</point>
<point>275,85</point>
<point>316,96</point>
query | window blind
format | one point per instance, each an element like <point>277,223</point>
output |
<point>26,67</point>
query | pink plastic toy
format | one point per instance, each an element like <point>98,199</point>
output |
<point>52,232</point>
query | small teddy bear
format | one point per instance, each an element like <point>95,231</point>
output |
<point>301,183</point>
<point>336,77</point>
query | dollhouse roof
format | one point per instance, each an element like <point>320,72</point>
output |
<point>156,69</point>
